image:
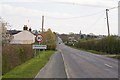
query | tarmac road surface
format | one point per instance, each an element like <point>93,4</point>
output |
<point>73,63</point>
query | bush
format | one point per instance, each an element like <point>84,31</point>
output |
<point>51,46</point>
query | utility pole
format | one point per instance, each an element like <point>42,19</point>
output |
<point>119,19</point>
<point>42,23</point>
<point>107,22</point>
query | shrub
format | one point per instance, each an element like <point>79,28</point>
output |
<point>51,46</point>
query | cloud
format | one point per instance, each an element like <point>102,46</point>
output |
<point>21,11</point>
<point>20,0</point>
<point>92,3</point>
<point>95,3</point>
<point>99,3</point>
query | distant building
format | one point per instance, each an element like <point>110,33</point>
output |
<point>71,38</point>
<point>83,36</point>
<point>35,32</point>
<point>23,37</point>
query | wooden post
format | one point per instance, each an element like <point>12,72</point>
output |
<point>39,51</point>
<point>107,21</point>
<point>42,23</point>
<point>35,53</point>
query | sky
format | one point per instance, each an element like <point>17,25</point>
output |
<point>62,16</point>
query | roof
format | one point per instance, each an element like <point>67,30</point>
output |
<point>12,32</point>
<point>24,35</point>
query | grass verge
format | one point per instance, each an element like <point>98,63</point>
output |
<point>116,56</point>
<point>30,68</point>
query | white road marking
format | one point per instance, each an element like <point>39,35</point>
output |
<point>66,70</point>
<point>108,65</point>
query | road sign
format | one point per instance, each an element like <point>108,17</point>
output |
<point>39,37</point>
<point>39,46</point>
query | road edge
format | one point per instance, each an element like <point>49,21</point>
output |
<point>66,70</point>
<point>44,66</point>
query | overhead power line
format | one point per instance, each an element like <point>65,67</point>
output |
<point>97,20</point>
<point>77,16</point>
<point>113,8</point>
<point>80,4</point>
<point>83,15</point>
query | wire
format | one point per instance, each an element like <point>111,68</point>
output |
<point>77,16</point>
<point>72,3</point>
<point>83,15</point>
<point>114,7</point>
<point>96,21</point>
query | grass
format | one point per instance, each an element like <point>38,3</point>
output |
<point>116,56</point>
<point>97,52</point>
<point>30,68</point>
<point>0,60</point>
<point>0,65</point>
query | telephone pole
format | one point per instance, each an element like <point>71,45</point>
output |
<point>107,21</point>
<point>42,23</point>
<point>119,19</point>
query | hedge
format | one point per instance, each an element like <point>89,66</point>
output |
<point>13,55</point>
<point>108,45</point>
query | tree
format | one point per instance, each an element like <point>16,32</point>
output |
<point>49,39</point>
<point>6,38</point>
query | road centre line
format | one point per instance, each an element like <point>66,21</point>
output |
<point>108,65</point>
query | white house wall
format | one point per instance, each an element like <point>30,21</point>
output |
<point>24,37</point>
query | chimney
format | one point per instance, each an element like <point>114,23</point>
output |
<point>25,27</point>
<point>30,29</point>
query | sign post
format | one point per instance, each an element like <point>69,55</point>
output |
<point>39,38</point>
<point>35,47</point>
<point>35,54</point>
<point>39,50</point>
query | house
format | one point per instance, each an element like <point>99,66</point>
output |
<point>13,32</point>
<point>71,38</point>
<point>23,37</point>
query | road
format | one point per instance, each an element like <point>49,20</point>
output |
<point>54,68</point>
<point>73,63</point>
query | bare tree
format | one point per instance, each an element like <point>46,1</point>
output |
<point>6,37</point>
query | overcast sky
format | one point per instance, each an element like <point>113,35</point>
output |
<point>62,16</point>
